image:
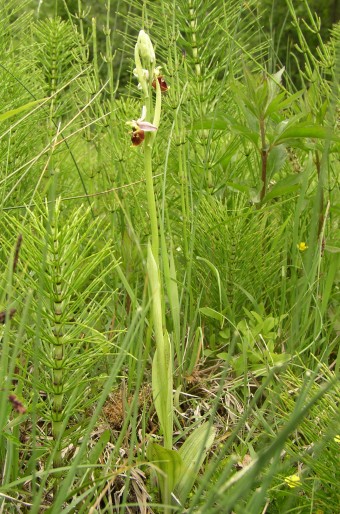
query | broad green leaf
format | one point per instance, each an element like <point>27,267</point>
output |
<point>276,159</point>
<point>170,465</point>
<point>300,130</point>
<point>9,114</point>
<point>278,105</point>
<point>281,191</point>
<point>284,187</point>
<point>268,325</point>
<point>193,452</point>
<point>276,359</point>
<point>274,103</point>
<point>249,134</point>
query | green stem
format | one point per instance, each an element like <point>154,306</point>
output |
<point>150,191</point>
<point>264,158</point>
<point>151,196</point>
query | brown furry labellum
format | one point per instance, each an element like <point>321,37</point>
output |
<point>162,84</point>
<point>137,136</point>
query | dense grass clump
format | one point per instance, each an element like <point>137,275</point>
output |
<point>169,251</point>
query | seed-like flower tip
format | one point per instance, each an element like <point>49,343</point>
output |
<point>302,246</point>
<point>145,48</point>
<point>337,438</point>
<point>293,481</point>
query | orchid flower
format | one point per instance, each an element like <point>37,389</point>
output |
<point>139,127</point>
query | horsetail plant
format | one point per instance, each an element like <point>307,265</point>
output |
<point>65,273</point>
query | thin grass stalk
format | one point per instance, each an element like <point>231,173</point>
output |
<point>9,450</point>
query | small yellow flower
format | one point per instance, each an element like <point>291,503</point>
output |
<point>302,246</point>
<point>337,438</point>
<point>293,481</point>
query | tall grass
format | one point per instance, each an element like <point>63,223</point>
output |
<point>169,333</point>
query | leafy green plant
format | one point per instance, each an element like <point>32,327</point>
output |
<point>263,101</point>
<point>258,346</point>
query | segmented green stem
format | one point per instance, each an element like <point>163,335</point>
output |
<point>58,353</point>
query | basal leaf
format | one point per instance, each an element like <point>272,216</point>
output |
<point>98,448</point>
<point>170,466</point>
<point>162,393</point>
<point>193,452</point>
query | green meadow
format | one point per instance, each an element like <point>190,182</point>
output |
<point>169,257</point>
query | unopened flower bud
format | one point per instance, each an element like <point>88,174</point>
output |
<point>145,49</point>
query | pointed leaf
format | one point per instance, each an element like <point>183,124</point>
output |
<point>98,448</point>
<point>211,122</point>
<point>170,465</point>
<point>278,104</point>
<point>225,122</point>
<point>193,452</point>
<point>284,187</point>
<point>211,313</point>
<point>300,130</point>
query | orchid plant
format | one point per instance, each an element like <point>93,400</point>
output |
<point>143,131</point>
<point>176,469</point>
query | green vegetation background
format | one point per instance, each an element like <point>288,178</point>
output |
<point>242,414</point>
